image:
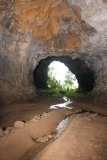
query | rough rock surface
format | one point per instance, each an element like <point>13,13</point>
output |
<point>18,124</point>
<point>33,30</point>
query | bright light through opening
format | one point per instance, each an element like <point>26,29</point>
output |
<point>61,72</point>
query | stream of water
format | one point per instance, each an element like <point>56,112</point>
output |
<point>61,127</point>
<point>62,105</point>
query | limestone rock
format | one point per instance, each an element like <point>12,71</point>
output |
<point>45,114</point>
<point>19,124</point>
<point>42,139</point>
<point>37,117</point>
<point>50,136</point>
<point>8,130</point>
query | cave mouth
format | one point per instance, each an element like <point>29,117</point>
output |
<point>83,73</point>
<point>60,78</point>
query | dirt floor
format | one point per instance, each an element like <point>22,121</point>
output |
<point>25,112</point>
<point>28,132</point>
<point>85,138</point>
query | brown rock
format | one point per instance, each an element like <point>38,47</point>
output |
<point>1,132</point>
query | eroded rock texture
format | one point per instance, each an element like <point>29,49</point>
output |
<point>31,30</point>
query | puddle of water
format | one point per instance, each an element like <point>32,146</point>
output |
<point>61,127</point>
<point>62,105</point>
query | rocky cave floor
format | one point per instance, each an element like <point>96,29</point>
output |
<point>28,131</point>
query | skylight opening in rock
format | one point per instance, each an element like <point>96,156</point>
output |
<point>60,75</point>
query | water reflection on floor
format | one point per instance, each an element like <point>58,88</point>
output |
<point>61,127</point>
<point>62,105</point>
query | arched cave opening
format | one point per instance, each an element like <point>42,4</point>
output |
<point>60,78</point>
<point>84,75</point>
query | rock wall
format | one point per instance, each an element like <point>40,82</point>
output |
<point>31,30</point>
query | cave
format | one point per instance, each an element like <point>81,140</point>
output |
<point>38,124</point>
<point>83,73</point>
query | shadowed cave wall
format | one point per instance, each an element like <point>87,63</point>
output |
<point>83,73</point>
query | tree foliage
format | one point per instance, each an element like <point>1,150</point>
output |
<point>52,82</point>
<point>55,84</point>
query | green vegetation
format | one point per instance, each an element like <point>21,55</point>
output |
<point>59,94</point>
<point>69,81</point>
<point>68,86</point>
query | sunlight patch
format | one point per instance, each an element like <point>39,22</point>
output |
<point>60,74</point>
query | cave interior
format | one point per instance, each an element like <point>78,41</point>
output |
<point>33,34</point>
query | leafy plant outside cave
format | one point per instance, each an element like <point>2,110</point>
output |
<point>58,86</point>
